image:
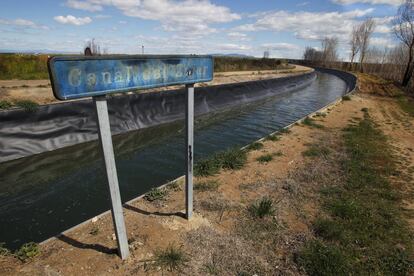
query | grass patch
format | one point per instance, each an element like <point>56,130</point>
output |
<point>94,231</point>
<point>406,104</point>
<point>284,131</point>
<point>262,208</point>
<point>365,233</point>
<point>316,151</point>
<point>317,258</point>
<point>5,104</point>
<point>174,186</point>
<point>272,137</point>
<point>3,250</point>
<point>156,194</point>
<point>255,146</point>
<point>27,105</point>
<point>346,98</point>
<point>172,258</point>
<point>209,185</point>
<point>232,159</point>
<point>265,158</point>
<point>27,251</point>
<point>311,123</point>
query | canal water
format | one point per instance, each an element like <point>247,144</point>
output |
<point>45,194</point>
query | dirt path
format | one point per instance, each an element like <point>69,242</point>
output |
<point>209,238</point>
<point>40,91</point>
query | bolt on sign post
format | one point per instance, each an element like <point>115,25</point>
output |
<point>75,77</point>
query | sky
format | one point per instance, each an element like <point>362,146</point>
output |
<point>247,27</point>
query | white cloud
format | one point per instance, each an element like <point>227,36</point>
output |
<point>81,5</point>
<point>70,19</point>
<point>307,25</point>
<point>232,47</point>
<point>237,36</point>
<point>102,16</point>
<point>382,42</point>
<point>190,17</point>
<point>22,23</point>
<point>372,2</point>
<point>280,46</point>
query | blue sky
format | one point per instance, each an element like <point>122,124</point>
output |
<point>248,27</point>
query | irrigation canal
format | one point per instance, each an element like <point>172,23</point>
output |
<point>45,194</point>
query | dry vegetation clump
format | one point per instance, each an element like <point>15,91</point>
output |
<point>215,253</point>
<point>371,84</point>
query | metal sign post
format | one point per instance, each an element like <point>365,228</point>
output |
<point>74,77</point>
<point>105,139</point>
<point>189,123</point>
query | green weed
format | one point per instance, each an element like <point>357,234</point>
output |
<point>273,138</point>
<point>406,104</point>
<point>265,158</point>
<point>27,105</point>
<point>262,208</point>
<point>172,259</point>
<point>27,251</point>
<point>156,194</point>
<point>318,258</point>
<point>94,231</point>
<point>209,185</point>
<point>3,250</point>
<point>316,151</point>
<point>207,167</point>
<point>255,146</point>
<point>311,123</point>
<point>5,104</point>
<point>232,159</point>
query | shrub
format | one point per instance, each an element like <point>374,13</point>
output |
<point>233,159</point>
<point>28,251</point>
<point>311,122</point>
<point>346,98</point>
<point>272,138</point>
<point>265,158</point>
<point>156,194</point>
<point>262,208</point>
<point>255,146</point>
<point>207,167</point>
<point>3,250</point>
<point>172,258</point>
<point>5,104</point>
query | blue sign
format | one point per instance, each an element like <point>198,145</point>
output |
<point>74,77</point>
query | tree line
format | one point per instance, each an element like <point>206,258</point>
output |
<point>396,64</point>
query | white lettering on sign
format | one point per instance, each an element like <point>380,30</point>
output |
<point>128,74</point>
<point>118,77</point>
<point>75,77</point>
<point>91,80</point>
<point>106,76</point>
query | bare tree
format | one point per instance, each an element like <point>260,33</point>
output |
<point>93,47</point>
<point>404,31</point>
<point>311,54</point>
<point>355,44</point>
<point>365,31</point>
<point>330,49</point>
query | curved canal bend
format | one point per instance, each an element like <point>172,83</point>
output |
<point>45,194</point>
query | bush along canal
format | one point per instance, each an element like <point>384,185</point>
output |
<point>45,194</point>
